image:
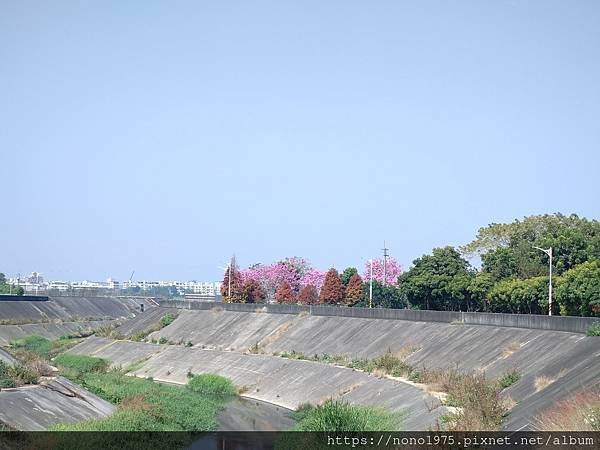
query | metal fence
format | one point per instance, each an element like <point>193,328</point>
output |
<point>530,321</point>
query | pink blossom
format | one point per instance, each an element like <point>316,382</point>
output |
<point>393,271</point>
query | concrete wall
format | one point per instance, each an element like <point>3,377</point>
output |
<point>283,382</point>
<point>531,321</point>
<point>53,401</point>
<point>563,357</point>
<point>23,298</point>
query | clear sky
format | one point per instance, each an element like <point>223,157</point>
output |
<point>165,136</point>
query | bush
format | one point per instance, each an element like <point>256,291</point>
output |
<point>22,374</point>
<point>594,330</point>
<point>6,380</point>
<point>163,340</point>
<point>167,320</point>
<point>508,379</point>
<point>336,415</point>
<point>215,385</point>
<point>81,363</point>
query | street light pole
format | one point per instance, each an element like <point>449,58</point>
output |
<point>548,252</point>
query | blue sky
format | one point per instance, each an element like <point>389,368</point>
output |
<point>165,136</point>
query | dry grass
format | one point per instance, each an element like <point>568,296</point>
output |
<point>578,413</point>
<point>542,382</point>
<point>510,349</point>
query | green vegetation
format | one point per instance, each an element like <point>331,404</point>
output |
<point>6,288</point>
<point>594,330</point>
<point>514,274</point>
<point>16,375</point>
<point>211,385</point>
<point>30,347</point>
<point>167,320</point>
<point>81,364</point>
<point>480,407</point>
<point>509,378</point>
<point>144,405</point>
<point>336,415</point>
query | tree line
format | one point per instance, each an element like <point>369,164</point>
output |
<point>512,276</point>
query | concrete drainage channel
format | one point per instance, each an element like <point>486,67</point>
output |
<point>282,382</point>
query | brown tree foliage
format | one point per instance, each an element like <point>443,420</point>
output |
<point>354,290</point>
<point>285,294</point>
<point>308,295</point>
<point>253,292</point>
<point>237,294</point>
<point>333,289</point>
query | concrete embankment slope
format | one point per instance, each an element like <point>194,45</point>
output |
<point>62,315</point>
<point>284,382</point>
<point>53,401</point>
<point>568,360</point>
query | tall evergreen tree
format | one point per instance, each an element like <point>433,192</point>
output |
<point>354,290</point>
<point>333,289</point>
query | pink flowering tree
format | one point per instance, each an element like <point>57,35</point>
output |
<point>393,271</point>
<point>271,277</point>
<point>314,277</point>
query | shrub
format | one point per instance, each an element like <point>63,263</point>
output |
<point>594,330</point>
<point>22,374</point>
<point>209,384</point>
<point>336,415</point>
<point>167,320</point>
<point>508,379</point>
<point>163,340</point>
<point>6,381</point>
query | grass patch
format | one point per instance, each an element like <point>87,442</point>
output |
<point>594,330</point>
<point>212,385</point>
<point>35,347</point>
<point>147,406</point>
<point>509,378</point>
<point>335,415</point>
<point>167,320</point>
<point>74,366</point>
<point>33,344</point>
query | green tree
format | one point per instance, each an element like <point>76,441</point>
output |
<point>387,296</point>
<point>479,288</point>
<point>507,251</point>
<point>578,290</point>
<point>11,289</point>
<point>438,281</point>
<point>347,274</point>
<point>516,296</point>
<point>2,278</point>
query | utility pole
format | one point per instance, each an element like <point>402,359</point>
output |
<point>548,251</point>
<point>371,286</point>
<point>385,255</point>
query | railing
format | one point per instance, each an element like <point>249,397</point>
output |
<point>530,321</point>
